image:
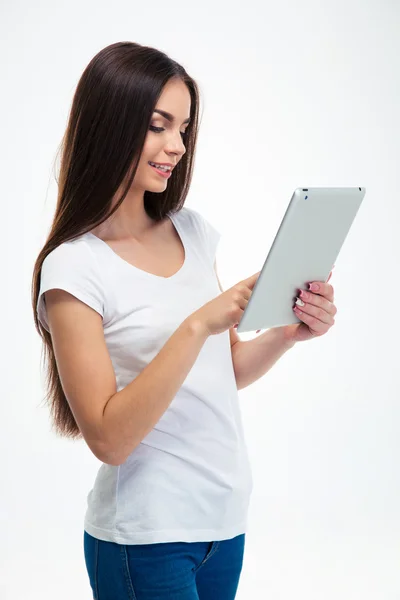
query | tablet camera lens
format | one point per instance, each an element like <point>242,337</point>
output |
<point>306,198</point>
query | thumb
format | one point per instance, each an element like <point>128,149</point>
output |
<point>251,281</point>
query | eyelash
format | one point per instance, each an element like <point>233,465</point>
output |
<point>160,129</point>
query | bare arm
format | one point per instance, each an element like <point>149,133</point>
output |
<point>131,414</point>
<point>252,359</point>
<point>114,423</point>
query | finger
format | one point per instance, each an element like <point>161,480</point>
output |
<point>330,274</point>
<point>324,289</point>
<point>319,316</point>
<point>316,327</point>
<point>318,301</point>
<point>244,290</point>
<point>251,281</point>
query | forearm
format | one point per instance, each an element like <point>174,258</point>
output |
<point>131,413</point>
<point>253,358</point>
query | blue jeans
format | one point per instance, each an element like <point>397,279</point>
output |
<point>164,571</point>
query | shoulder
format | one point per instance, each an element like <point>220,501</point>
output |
<point>204,231</point>
<point>73,261</point>
<point>72,267</point>
<point>188,215</point>
<point>194,219</point>
<point>74,253</point>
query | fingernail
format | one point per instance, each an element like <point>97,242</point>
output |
<point>314,287</point>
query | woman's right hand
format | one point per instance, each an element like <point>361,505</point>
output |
<point>226,310</point>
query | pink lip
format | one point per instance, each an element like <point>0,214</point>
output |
<point>165,174</point>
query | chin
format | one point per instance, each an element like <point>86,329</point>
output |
<point>157,188</point>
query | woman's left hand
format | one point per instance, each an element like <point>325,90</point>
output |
<point>317,313</point>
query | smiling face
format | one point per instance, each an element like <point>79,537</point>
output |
<point>165,140</point>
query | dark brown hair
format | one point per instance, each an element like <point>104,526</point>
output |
<point>110,115</point>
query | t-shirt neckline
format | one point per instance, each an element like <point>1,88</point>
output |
<point>142,272</point>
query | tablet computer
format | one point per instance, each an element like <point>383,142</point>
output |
<point>305,248</point>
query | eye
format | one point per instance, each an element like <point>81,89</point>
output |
<point>184,134</point>
<point>156,129</point>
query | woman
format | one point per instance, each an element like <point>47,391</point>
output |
<point>139,338</point>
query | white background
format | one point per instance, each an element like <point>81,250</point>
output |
<point>293,94</point>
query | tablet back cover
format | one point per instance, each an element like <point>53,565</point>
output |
<point>305,248</point>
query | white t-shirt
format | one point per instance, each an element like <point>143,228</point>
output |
<point>189,479</point>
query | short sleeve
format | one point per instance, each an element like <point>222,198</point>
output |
<point>210,235</point>
<point>71,267</point>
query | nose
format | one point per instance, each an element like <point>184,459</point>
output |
<point>175,145</point>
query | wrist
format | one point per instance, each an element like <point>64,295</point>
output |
<point>286,335</point>
<point>196,326</point>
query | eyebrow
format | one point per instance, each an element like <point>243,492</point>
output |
<point>168,115</point>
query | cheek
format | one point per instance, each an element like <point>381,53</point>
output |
<point>152,147</point>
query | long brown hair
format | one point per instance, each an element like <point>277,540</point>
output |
<point>100,150</point>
